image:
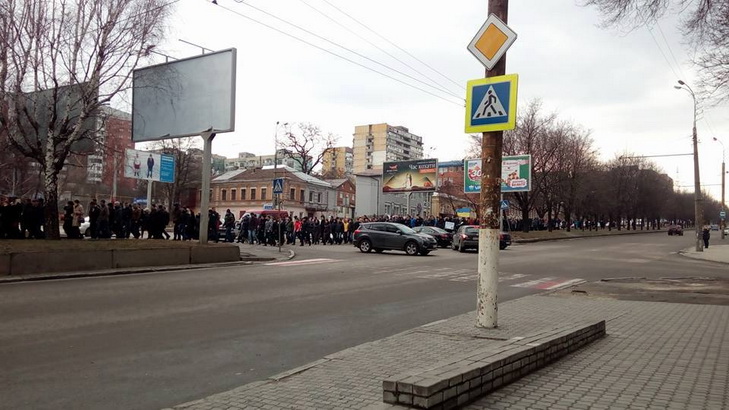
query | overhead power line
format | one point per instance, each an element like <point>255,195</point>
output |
<point>460,104</point>
<point>395,45</point>
<point>347,49</point>
<point>443,88</point>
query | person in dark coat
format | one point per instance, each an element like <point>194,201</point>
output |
<point>706,235</point>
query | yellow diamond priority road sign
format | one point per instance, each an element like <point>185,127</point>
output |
<point>492,41</point>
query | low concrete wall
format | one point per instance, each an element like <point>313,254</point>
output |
<point>4,265</point>
<point>29,263</point>
<point>465,378</point>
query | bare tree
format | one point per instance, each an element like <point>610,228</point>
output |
<point>307,148</point>
<point>60,61</point>
<point>705,23</point>
<point>188,169</point>
<point>532,136</point>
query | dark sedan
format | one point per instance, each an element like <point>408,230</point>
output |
<point>443,237</point>
<point>466,237</point>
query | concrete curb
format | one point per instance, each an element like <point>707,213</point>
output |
<point>533,240</point>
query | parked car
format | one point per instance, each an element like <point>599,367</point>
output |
<point>466,237</point>
<point>442,237</point>
<point>380,236</point>
<point>675,230</point>
<point>85,228</point>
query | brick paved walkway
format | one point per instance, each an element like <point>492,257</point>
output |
<point>656,355</point>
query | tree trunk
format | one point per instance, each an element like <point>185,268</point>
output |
<point>525,221</point>
<point>51,200</point>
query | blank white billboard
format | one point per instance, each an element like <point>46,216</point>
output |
<point>185,97</point>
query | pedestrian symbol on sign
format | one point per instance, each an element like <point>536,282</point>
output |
<point>278,186</point>
<point>490,106</point>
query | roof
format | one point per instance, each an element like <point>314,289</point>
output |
<point>269,173</point>
<point>228,175</point>
<point>336,182</point>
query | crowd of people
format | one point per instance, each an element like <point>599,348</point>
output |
<point>21,218</point>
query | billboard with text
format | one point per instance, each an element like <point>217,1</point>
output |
<point>410,176</point>
<point>149,165</point>
<point>516,174</point>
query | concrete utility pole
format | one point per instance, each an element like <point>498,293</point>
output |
<point>488,238</point>
<point>698,217</point>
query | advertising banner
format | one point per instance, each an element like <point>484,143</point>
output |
<point>149,165</point>
<point>410,176</point>
<point>516,174</point>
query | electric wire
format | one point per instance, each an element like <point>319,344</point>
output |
<point>345,48</point>
<point>460,104</point>
<point>444,89</point>
<point>395,45</point>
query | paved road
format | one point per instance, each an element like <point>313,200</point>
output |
<point>156,340</point>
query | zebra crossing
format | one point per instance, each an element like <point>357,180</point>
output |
<point>519,280</point>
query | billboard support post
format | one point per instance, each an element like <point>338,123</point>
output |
<point>149,193</point>
<point>207,137</point>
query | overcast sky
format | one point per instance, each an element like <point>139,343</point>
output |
<point>618,84</point>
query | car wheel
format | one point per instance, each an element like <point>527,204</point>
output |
<point>502,246</point>
<point>411,248</point>
<point>365,246</point>
<point>379,250</point>
<point>461,248</point>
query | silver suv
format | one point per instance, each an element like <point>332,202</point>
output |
<point>380,236</point>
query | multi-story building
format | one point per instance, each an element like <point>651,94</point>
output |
<point>252,189</point>
<point>247,160</point>
<point>375,144</point>
<point>346,197</point>
<point>337,161</point>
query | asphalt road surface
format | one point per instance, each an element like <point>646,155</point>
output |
<point>148,341</point>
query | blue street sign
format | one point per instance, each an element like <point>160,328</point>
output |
<point>278,185</point>
<point>722,214</point>
<point>504,204</point>
<point>491,103</point>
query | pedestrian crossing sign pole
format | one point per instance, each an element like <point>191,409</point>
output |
<point>491,103</point>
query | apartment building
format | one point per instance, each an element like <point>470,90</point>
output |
<point>337,162</point>
<point>375,144</point>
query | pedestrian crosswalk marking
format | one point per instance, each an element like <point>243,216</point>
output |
<point>302,262</point>
<point>490,106</point>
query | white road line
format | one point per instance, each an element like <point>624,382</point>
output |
<point>567,284</point>
<point>302,262</point>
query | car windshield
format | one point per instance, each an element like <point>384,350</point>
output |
<point>406,229</point>
<point>438,230</point>
<point>470,230</point>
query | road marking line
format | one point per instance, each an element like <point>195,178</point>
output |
<point>567,284</point>
<point>302,262</point>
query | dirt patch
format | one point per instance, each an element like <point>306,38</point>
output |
<point>696,290</point>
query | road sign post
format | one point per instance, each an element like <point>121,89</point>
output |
<point>491,148</point>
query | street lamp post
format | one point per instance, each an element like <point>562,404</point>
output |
<point>698,219</point>
<point>723,176</point>
<point>277,197</point>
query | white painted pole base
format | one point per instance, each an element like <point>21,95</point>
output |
<point>488,278</point>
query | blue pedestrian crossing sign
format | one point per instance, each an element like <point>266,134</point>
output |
<point>504,204</point>
<point>491,103</point>
<point>278,185</point>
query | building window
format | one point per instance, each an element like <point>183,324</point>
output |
<point>233,194</point>
<point>318,197</point>
<point>311,197</point>
<point>303,195</point>
<point>224,195</point>
<point>292,194</point>
<point>242,194</point>
<point>263,194</point>
<point>253,194</point>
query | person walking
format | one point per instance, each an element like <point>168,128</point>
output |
<point>706,235</point>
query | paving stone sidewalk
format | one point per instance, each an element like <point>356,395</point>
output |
<point>656,356</point>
